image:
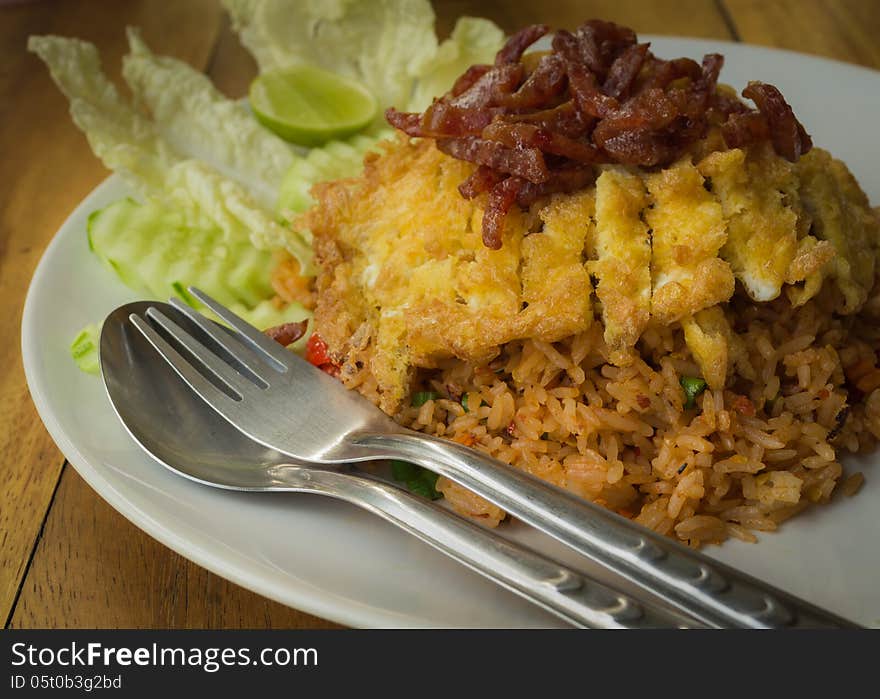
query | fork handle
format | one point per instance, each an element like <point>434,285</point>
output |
<point>564,592</point>
<point>715,594</point>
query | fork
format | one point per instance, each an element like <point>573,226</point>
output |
<point>281,401</point>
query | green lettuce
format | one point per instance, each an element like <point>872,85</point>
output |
<point>133,146</point>
<point>125,140</point>
<point>389,45</point>
<point>382,44</point>
<point>199,121</point>
<point>473,40</point>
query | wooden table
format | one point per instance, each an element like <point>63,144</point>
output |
<point>67,558</point>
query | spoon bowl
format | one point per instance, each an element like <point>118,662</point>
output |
<point>168,420</point>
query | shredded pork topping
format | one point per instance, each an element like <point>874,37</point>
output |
<point>539,123</point>
<point>287,333</point>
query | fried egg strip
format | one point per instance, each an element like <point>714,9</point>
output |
<point>762,230</point>
<point>623,257</point>
<point>687,231</point>
<point>829,192</point>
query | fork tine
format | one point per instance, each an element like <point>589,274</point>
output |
<point>203,388</point>
<point>224,372</point>
<point>252,362</point>
<point>272,350</point>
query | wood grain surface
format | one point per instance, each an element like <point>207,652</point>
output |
<point>846,30</point>
<point>93,568</point>
<point>66,558</point>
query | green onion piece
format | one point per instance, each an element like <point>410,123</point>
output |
<point>693,387</point>
<point>185,296</point>
<point>418,488</point>
<point>421,397</point>
<point>403,471</point>
<point>425,485</point>
<point>464,403</point>
<point>417,480</point>
<point>429,477</point>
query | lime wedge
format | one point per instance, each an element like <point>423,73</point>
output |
<point>310,106</point>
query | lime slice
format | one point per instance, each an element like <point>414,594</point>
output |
<point>310,106</point>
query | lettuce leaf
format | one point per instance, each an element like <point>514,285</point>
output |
<point>383,44</point>
<point>133,146</point>
<point>473,40</point>
<point>122,138</point>
<point>197,120</point>
<point>388,45</point>
<point>210,199</point>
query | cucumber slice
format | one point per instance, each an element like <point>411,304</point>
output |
<point>84,349</point>
<point>333,161</point>
<point>154,252</point>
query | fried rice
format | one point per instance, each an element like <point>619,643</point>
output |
<point>800,385</point>
<point>744,458</point>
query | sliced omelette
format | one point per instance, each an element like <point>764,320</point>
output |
<point>841,216</point>
<point>405,272</point>
<point>687,231</point>
<point>759,195</point>
<point>622,251</point>
<point>406,281</point>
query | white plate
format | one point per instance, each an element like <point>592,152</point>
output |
<point>332,560</point>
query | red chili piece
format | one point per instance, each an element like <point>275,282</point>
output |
<point>317,353</point>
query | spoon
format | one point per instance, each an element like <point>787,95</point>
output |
<point>171,424</point>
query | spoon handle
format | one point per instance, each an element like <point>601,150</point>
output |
<point>711,592</point>
<point>560,590</point>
